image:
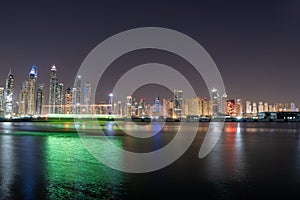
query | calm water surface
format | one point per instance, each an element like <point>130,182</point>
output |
<point>251,160</point>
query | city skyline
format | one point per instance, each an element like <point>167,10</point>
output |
<point>77,100</point>
<point>33,71</point>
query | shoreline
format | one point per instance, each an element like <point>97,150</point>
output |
<point>146,120</point>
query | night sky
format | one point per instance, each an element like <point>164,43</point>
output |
<point>255,44</point>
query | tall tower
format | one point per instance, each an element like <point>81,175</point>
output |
<point>52,90</point>
<point>239,107</point>
<point>1,98</point>
<point>111,102</point>
<point>9,94</point>
<point>216,101</point>
<point>31,91</point>
<point>178,103</point>
<point>59,99</point>
<point>68,101</point>
<point>128,106</point>
<point>77,95</point>
<point>40,98</point>
<point>22,99</point>
<point>87,97</point>
<point>248,107</point>
<point>254,109</point>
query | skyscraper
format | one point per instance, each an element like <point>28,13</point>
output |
<point>260,107</point>
<point>22,99</point>
<point>87,97</point>
<point>141,107</point>
<point>219,102</point>
<point>192,106</point>
<point>59,99</point>
<point>248,107</point>
<point>178,103</point>
<point>77,95</point>
<point>231,108</point>
<point>40,98</point>
<point>266,107</point>
<point>52,90</point>
<point>68,101</point>
<point>128,106</point>
<point>239,107</point>
<point>168,108</point>
<point>31,91</point>
<point>9,94</point>
<point>1,98</point>
<point>216,101</point>
<point>254,109</point>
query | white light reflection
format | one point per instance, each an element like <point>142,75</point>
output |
<point>7,165</point>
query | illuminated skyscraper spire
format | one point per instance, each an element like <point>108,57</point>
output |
<point>52,90</point>
<point>31,91</point>
<point>9,92</point>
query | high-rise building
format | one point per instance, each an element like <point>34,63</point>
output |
<point>119,108</point>
<point>128,106</point>
<point>271,108</point>
<point>30,96</point>
<point>266,107</point>
<point>231,108</point>
<point>59,99</point>
<point>77,95</point>
<point>156,110</point>
<point>1,98</point>
<point>248,107</point>
<point>192,106</point>
<point>53,90</point>
<point>254,109</point>
<point>141,108</point>
<point>22,99</point>
<point>9,94</point>
<point>68,101</point>
<point>178,103</point>
<point>87,97</point>
<point>260,107</point>
<point>206,107</point>
<point>168,108</point>
<point>239,107</point>
<point>40,98</point>
<point>293,107</point>
<point>216,101</point>
<point>111,103</point>
<point>74,93</point>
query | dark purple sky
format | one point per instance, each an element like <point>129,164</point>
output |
<point>255,44</point>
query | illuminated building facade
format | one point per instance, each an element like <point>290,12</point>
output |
<point>77,96</point>
<point>52,90</point>
<point>260,107</point>
<point>248,107</point>
<point>40,98</point>
<point>59,99</point>
<point>1,98</point>
<point>178,103</point>
<point>230,108</point>
<point>68,101</point>
<point>239,107</point>
<point>192,106</point>
<point>9,94</point>
<point>87,97</point>
<point>30,96</point>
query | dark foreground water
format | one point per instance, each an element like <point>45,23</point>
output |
<point>250,161</point>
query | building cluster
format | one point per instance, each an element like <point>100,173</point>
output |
<point>31,98</point>
<point>76,100</point>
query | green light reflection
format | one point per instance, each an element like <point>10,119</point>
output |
<point>73,173</point>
